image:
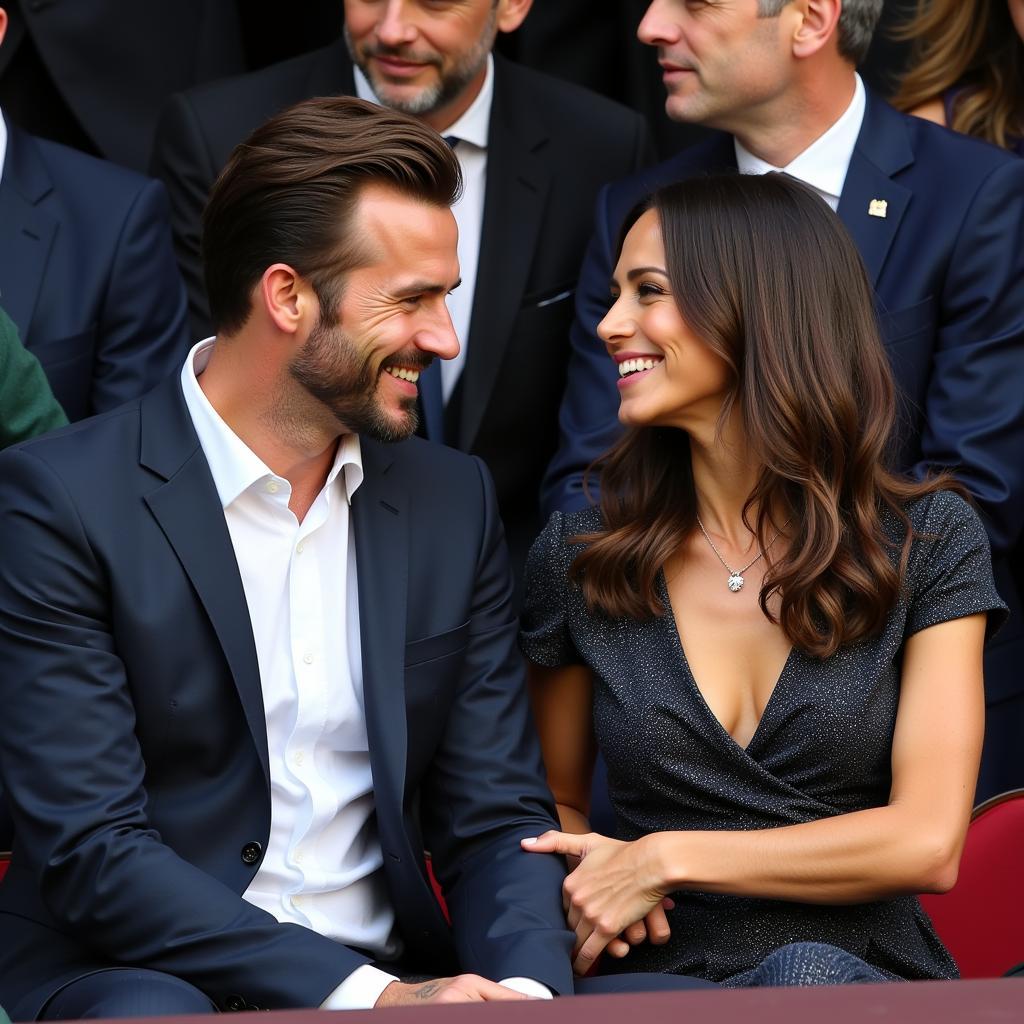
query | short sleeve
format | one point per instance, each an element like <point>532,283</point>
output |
<point>545,637</point>
<point>950,575</point>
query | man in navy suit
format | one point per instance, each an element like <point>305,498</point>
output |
<point>938,218</point>
<point>87,271</point>
<point>258,642</point>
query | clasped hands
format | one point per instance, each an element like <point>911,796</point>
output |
<point>615,897</point>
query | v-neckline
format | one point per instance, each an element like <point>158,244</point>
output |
<point>670,617</point>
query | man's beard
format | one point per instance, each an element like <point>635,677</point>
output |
<point>448,87</point>
<point>328,368</point>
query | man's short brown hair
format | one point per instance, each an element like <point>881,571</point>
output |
<point>288,193</point>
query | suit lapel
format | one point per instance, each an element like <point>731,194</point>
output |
<point>189,512</point>
<point>517,186</point>
<point>380,519</point>
<point>872,204</point>
<point>26,229</point>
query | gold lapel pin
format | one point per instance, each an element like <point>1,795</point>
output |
<point>878,208</point>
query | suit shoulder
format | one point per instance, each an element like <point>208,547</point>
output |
<point>84,447</point>
<point>713,154</point>
<point>74,173</point>
<point>256,95</point>
<point>979,155</point>
<point>566,103</point>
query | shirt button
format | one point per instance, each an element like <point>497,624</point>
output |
<point>298,757</point>
<point>299,856</point>
<point>308,659</point>
<point>251,852</point>
<point>273,487</point>
<point>300,547</point>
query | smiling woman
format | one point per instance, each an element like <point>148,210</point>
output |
<point>774,640</point>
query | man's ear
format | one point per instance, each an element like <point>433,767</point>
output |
<point>512,13</point>
<point>286,297</point>
<point>3,25</point>
<point>817,26</point>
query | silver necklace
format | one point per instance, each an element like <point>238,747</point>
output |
<point>736,581</point>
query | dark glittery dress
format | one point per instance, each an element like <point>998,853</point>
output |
<point>822,747</point>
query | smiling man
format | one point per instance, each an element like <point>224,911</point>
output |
<point>533,151</point>
<point>262,640</point>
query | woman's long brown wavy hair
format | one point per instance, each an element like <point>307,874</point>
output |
<point>972,44</point>
<point>763,272</point>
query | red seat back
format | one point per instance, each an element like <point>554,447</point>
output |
<point>981,919</point>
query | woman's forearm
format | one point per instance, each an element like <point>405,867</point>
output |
<point>851,858</point>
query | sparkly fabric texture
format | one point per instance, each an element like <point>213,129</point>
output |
<point>808,963</point>
<point>822,747</point>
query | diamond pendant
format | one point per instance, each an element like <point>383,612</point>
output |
<point>735,582</point>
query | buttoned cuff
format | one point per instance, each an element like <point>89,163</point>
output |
<point>360,990</point>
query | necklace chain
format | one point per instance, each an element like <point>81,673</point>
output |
<point>736,581</point>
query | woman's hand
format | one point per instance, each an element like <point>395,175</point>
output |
<point>617,889</point>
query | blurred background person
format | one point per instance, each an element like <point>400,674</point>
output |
<point>87,270</point>
<point>27,408</point>
<point>967,68</point>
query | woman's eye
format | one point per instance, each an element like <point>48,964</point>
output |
<point>646,289</point>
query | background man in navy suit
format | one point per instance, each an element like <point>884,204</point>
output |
<point>259,646</point>
<point>534,152</point>
<point>87,271</point>
<point>938,218</point>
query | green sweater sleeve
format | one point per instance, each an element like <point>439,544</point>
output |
<point>27,405</point>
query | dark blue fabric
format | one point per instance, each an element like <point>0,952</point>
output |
<point>808,963</point>
<point>87,273</point>
<point>125,992</point>
<point>947,265</point>
<point>137,773</point>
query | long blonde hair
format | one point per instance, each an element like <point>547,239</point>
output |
<point>973,44</point>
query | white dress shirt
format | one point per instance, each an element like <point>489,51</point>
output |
<point>3,144</point>
<point>824,163</point>
<point>471,130</point>
<point>322,867</point>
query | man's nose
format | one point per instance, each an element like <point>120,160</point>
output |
<point>654,28</point>
<point>439,338</point>
<point>394,27</point>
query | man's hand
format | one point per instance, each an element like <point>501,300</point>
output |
<point>466,988</point>
<point>615,891</point>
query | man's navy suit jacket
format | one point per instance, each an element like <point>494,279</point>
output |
<point>947,264</point>
<point>87,273</point>
<point>133,740</point>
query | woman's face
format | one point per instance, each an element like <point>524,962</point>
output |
<point>667,375</point>
<point>1017,16</point>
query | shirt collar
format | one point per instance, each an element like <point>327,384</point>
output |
<point>3,145</point>
<point>234,465</point>
<point>472,127</point>
<point>824,163</point>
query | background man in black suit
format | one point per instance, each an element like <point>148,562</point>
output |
<point>534,151</point>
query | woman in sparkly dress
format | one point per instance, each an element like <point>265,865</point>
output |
<point>774,641</point>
